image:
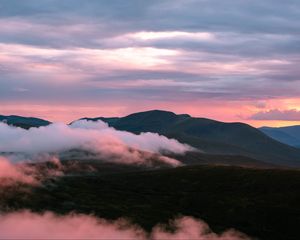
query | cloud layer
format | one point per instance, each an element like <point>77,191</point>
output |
<point>92,55</point>
<point>107,143</point>
<point>15,173</point>
<point>27,225</point>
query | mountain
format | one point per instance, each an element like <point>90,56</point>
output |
<point>240,142</point>
<point>210,136</point>
<point>24,122</point>
<point>288,135</point>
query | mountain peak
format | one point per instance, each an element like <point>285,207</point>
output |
<point>158,113</point>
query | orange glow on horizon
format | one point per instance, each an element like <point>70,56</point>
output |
<point>226,112</point>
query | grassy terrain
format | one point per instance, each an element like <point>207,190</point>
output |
<point>260,203</point>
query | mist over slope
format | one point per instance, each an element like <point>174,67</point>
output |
<point>59,175</point>
<point>32,155</point>
<point>210,136</point>
<point>95,137</point>
<point>31,160</point>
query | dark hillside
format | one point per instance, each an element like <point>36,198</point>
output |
<point>260,203</point>
<point>210,136</point>
<point>24,122</point>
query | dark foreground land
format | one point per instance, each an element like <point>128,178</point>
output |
<point>261,203</point>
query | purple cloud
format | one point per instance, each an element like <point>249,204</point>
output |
<point>90,52</point>
<point>276,114</point>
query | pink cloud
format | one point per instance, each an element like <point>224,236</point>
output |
<point>276,114</point>
<point>107,143</point>
<point>11,173</point>
<point>28,225</point>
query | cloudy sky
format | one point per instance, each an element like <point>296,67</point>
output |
<point>233,60</point>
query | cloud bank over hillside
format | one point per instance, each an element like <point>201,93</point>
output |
<point>96,137</point>
<point>88,140</point>
<point>81,134</point>
<point>11,173</point>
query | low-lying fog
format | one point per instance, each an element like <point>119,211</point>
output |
<point>22,149</point>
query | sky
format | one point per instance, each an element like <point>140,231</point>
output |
<point>233,60</point>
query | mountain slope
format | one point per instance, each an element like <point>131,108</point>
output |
<point>24,122</point>
<point>261,203</point>
<point>211,136</point>
<point>288,135</point>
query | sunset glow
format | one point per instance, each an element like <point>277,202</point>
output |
<point>82,59</point>
<point>149,119</point>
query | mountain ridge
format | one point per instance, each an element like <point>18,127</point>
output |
<point>289,135</point>
<point>211,136</point>
<point>24,122</point>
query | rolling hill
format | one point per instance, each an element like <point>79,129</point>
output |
<point>24,122</point>
<point>210,136</point>
<point>288,135</point>
<point>214,139</point>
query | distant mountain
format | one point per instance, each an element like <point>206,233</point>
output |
<point>24,122</point>
<point>288,135</point>
<point>212,137</point>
